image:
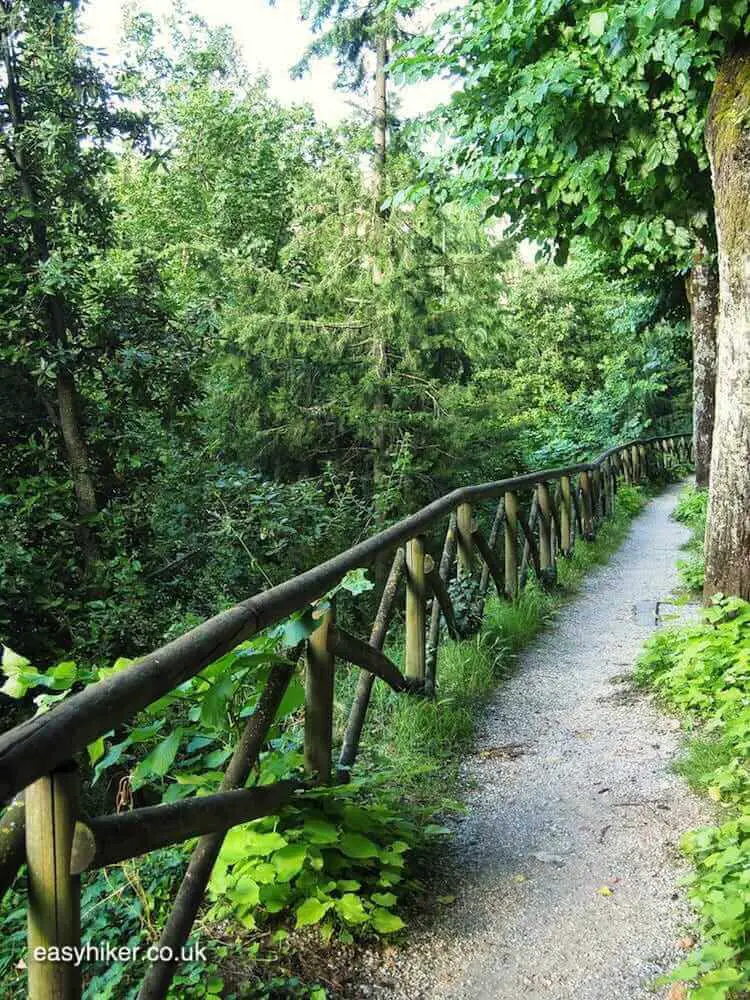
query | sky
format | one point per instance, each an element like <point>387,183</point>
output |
<point>272,39</point>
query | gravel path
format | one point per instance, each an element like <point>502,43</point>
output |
<point>565,871</point>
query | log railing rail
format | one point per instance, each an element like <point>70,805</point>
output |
<point>539,518</point>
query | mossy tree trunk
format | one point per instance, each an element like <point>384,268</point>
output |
<point>702,287</point>
<point>728,142</point>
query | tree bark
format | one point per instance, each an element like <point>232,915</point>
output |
<point>379,342</point>
<point>728,143</point>
<point>78,460</point>
<point>702,287</point>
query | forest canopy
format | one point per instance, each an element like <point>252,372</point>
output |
<point>197,422</point>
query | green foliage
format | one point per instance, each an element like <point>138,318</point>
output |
<point>703,671</point>
<point>572,120</point>
<point>329,861</point>
<point>224,351</point>
<point>691,510</point>
<point>122,907</point>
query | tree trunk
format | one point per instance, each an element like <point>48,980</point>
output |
<point>78,460</point>
<point>702,287</point>
<point>379,342</point>
<point>728,142</point>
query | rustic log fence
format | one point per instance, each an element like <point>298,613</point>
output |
<point>538,519</point>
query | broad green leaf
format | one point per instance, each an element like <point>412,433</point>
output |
<point>311,912</point>
<point>320,831</point>
<point>245,891</point>
<point>355,845</point>
<point>384,899</point>
<point>357,582</point>
<point>350,907</point>
<point>598,23</point>
<point>386,922</point>
<point>96,750</point>
<point>213,713</point>
<point>159,761</point>
<point>289,861</point>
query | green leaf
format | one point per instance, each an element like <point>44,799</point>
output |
<point>159,761</point>
<point>319,831</point>
<point>246,891</point>
<point>294,698</point>
<point>96,750</point>
<point>311,912</point>
<point>111,757</point>
<point>385,922</point>
<point>384,899</point>
<point>243,842</point>
<point>351,909</point>
<point>356,582</point>
<point>289,861</point>
<point>598,23</point>
<point>213,713</point>
<point>355,845</point>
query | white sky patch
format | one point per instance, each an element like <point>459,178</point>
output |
<point>272,40</point>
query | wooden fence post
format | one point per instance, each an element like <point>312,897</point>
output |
<point>54,915</point>
<point>319,677</point>
<point>546,563</point>
<point>566,514</point>
<point>414,659</point>
<point>625,462</point>
<point>596,495</point>
<point>511,541</point>
<point>611,485</point>
<point>584,481</point>
<point>643,460</point>
<point>464,518</point>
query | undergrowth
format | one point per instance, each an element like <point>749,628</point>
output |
<point>703,672</point>
<point>691,510</point>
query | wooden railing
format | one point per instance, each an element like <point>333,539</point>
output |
<point>538,518</point>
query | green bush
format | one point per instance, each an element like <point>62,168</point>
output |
<point>704,672</point>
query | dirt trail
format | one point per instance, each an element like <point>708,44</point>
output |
<point>566,869</point>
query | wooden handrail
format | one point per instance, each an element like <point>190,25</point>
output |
<point>35,747</point>
<point>108,840</point>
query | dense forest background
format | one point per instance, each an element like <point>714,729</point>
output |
<point>214,254</point>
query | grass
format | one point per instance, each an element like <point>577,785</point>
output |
<point>701,757</point>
